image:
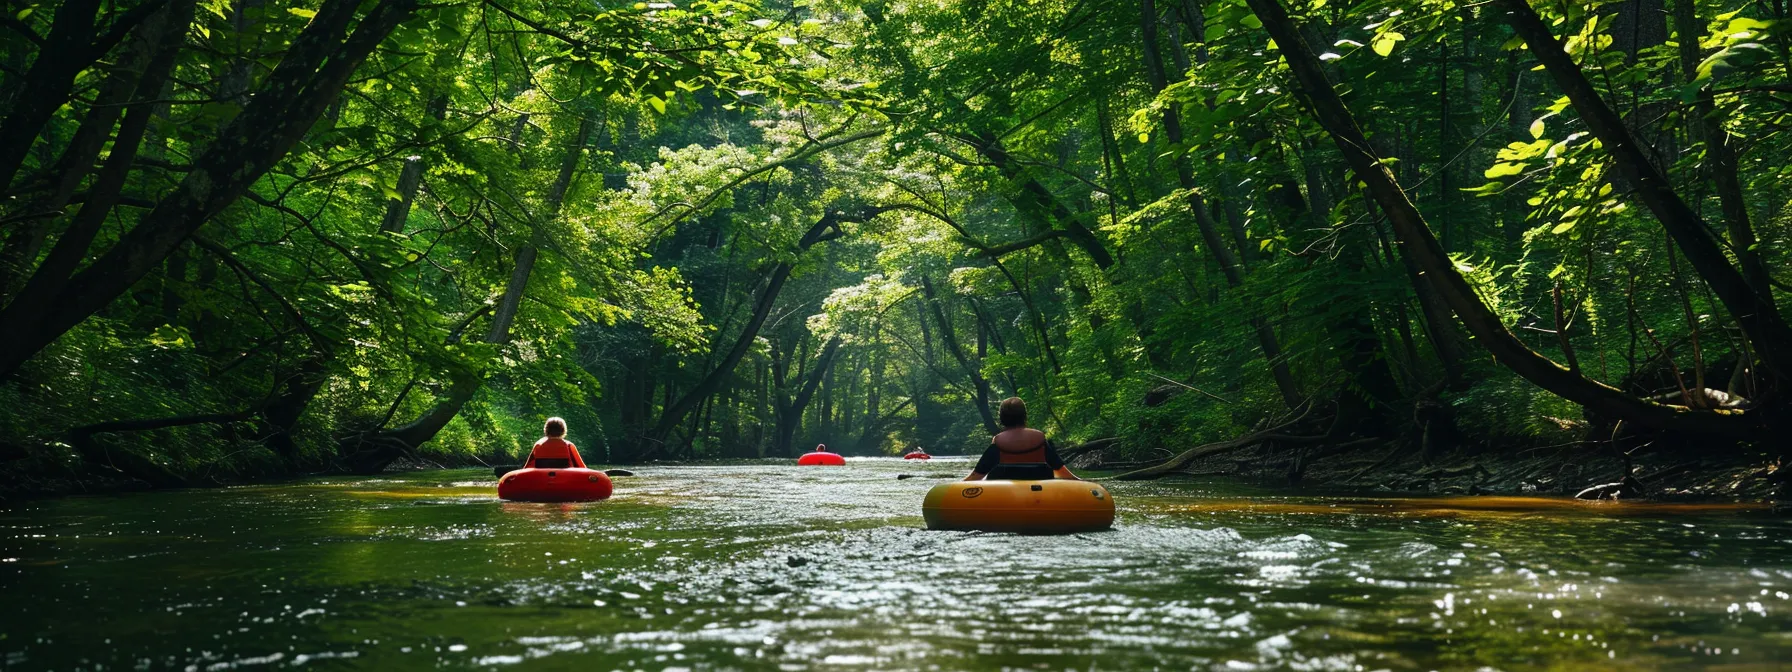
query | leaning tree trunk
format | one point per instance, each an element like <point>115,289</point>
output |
<point>50,82</point>
<point>1721,150</point>
<point>825,229</point>
<point>320,61</point>
<point>370,453</point>
<point>789,416</point>
<point>165,31</point>
<point>1210,235</point>
<point>295,389</point>
<point>410,178</point>
<point>33,221</point>
<point>973,370</point>
<point>1417,241</point>
<point>1760,321</point>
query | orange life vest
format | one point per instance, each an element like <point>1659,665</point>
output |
<point>555,448</point>
<point>1034,454</point>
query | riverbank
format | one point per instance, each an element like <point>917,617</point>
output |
<point>1558,471</point>
<point>1565,470</point>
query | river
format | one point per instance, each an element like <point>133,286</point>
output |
<point>768,566</point>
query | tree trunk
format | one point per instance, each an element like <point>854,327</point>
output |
<point>825,229</point>
<point>972,370</point>
<point>789,416</point>
<point>1417,241</point>
<point>77,158</point>
<point>410,178</point>
<point>67,50</point>
<point>1759,320</point>
<point>1210,235</point>
<point>370,453</point>
<point>313,71</point>
<point>164,33</point>
<point>1721,151</point>
<point>1440,325</point>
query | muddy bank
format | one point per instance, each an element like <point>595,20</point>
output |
<point>1550,470</point>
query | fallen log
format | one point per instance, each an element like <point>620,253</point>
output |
<point>1175,464</point>
<point>1454,472</point>
<point>1628,488</point>
<point>1270,434</point>
<point>1081,449</point>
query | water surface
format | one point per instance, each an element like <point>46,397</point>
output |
<point>767,566</point>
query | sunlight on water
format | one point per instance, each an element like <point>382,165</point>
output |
<point>774,566</point>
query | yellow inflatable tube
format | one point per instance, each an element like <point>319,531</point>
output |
<point>1033,507</point>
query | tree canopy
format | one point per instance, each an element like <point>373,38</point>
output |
<point>258,237</point>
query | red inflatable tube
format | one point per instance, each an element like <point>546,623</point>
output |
<point>821,460</point>
<point>554,485</point>
<point>917,456</point>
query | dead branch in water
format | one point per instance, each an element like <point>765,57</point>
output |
<point>1270,434</point>
<point>1081,449</point>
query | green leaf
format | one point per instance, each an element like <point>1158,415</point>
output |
<point>1562,228</point>
<point>658,103</point>
<point>23,13</point>
<point>1745,25</point>
<point>168,336</point>
<point>1521,151</point>
<point>1384,43</point>
<point>301,13</point>
<point>1537,128</point>
<point>1500,170</point>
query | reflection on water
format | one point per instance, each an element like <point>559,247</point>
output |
<point>772,566</point>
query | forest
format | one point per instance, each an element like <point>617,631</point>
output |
<point>253,239</point>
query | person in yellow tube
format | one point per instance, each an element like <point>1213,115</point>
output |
<point>1018,452</point>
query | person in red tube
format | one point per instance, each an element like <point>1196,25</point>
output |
<point>1018,452</point>
<point>553,451</point>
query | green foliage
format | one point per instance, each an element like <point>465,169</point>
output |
<point>666,159</point>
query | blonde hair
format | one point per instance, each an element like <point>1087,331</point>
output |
<point>555,427</point>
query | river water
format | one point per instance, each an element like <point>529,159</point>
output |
<point>763,566</point>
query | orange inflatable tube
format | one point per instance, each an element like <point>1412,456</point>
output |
<point>821,459</point>
<point>917,456</point>
<point>554,485</point>
<point>1030,507</point>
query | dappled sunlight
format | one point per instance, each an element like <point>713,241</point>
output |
<point>276,274</point>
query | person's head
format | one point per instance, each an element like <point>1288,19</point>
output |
<point>555,427</point>
<point>821,447</point>
<point>1013,413</point>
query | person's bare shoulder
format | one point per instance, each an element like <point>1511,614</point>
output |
<point>1033,433</point>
